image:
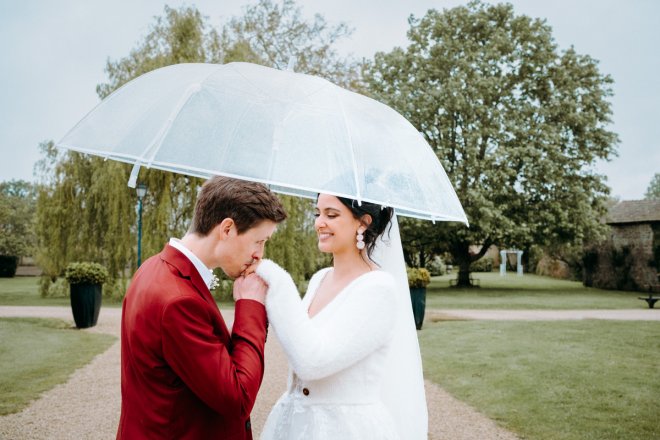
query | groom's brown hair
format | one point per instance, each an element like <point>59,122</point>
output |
<point>246,203</point>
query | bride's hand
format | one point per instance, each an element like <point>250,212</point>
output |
<point>250,287</point>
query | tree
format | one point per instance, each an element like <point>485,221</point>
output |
<point>86,211</point>
<point>83,212</point>
<point>17,207</point>
<point>179,36</point>
<point>653,191</point>
<point>272,34</point>
<point>419,245</point>
<point>516,125</point>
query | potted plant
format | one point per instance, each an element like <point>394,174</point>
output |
<point>418,279</point>
<point>85,281</point>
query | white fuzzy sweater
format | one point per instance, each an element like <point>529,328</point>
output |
<point>336,357</point>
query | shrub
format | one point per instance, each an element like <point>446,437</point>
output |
<point>86,273</point>
<point>484,264</point>
<point>418,278</point>
<point>224,291</point>
<point>552,267</point>
<point>115,289</point>
<point>623,259</point>
<point>437,267</point>
<point>655,262</point>
<point>53,289</point>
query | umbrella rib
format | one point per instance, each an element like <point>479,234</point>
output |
<point>232,136</point>
<point>157,142</point>
<point>255,85</point>
<point>352,149</point>
<point>154,146</point>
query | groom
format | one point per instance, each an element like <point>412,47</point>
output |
<point>183,375</point>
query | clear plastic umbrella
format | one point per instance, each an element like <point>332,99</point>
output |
<point>298,133</point>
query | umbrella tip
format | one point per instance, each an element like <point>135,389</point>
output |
<point>292,63</point>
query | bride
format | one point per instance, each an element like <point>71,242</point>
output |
<point>355,367</point>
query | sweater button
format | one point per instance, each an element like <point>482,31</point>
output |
<point>305,391</point>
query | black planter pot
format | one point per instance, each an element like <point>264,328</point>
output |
<point>418,299</point>
<point>85,304</point>
<point>8,265</point>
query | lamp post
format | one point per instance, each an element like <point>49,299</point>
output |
<point>141,190</point>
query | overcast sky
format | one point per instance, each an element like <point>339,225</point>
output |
<point>54,53</point>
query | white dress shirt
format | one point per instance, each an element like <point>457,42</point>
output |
<point>206,273</point>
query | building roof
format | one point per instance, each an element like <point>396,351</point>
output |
<point>634,211</point>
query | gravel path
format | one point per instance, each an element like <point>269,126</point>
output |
<point>87,406</point>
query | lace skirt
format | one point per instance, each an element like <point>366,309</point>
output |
<point>292,418</point>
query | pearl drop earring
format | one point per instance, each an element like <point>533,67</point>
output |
<point>360,240</point>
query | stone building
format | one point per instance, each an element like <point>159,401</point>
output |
<point>630,257</point>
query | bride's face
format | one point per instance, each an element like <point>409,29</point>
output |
<point>335,225</point>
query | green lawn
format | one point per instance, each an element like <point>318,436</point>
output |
<point>496,292</point>
<point>525,292</point>
<point>24,291</point>
<point>37,354</point>
<point>573,380</point>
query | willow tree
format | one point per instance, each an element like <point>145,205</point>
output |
<point>516,123</point>
<point>86,211</point>
<point>81,212</point>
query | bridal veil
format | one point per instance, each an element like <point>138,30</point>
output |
<point>403,382</point>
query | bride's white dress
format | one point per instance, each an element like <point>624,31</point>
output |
<point>336,358</point>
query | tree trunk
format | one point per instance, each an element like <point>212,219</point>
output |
<point>463,277</point>
<point>463,259</point>
<point>422,258</point>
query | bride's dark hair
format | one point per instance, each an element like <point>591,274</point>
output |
<point>381,217</point>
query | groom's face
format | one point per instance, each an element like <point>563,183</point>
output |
<point>242,250</point>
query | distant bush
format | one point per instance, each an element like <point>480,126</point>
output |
<point>224,291</point>
<point>436,267</point>
<point>115,289</point>
<point>552,267</point>
<point>611,267</point>
<point>53,289</point>
<point>484,264</point>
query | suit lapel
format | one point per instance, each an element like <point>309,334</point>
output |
<point>187,270</point>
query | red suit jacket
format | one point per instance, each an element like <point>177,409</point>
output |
<point>183,376</point>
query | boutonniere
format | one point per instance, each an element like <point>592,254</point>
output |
<point>215,282</point>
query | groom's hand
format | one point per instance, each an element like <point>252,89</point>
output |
<point>250,287</point>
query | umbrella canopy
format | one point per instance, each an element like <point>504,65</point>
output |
<point>298,133</point>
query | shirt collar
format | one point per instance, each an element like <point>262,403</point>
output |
<point>206,273</point>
